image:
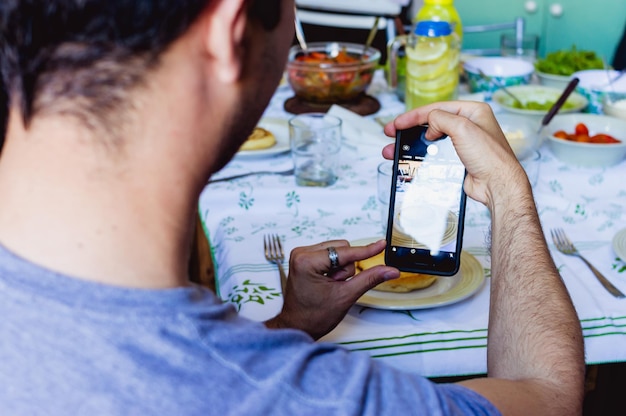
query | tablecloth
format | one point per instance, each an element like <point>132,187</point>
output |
<point>589,204</point>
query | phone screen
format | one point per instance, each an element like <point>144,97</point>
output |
<point>427,205</point>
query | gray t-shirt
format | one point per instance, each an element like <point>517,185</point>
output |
<point>73,347</point>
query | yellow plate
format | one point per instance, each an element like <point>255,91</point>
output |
<point>445,291</point>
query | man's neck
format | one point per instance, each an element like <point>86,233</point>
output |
<point>86,213</point>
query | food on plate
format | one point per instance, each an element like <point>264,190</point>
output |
<point>581,135</point>
<point>566,62</point>
<point>407,282</point>
<point>540,105</point>
<point>537,100</point>
<point>259,139</point>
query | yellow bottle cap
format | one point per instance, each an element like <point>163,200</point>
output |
<point>439,2</point>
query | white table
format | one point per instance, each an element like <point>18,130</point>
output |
<point>589,204</point>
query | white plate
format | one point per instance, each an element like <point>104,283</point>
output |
<point>445,291</point>
<point>619,244</point>
<point>280,129</point>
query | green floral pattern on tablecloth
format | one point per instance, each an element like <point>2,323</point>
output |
<point>589,204</point>
<point>618,265</point>
<point>249,291</point>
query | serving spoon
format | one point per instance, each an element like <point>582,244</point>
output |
<point>496,82</point>
<point>299,30</point>
<point>558,104</point>
<point>370,37</point>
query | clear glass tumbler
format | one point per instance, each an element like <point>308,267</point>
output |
<point>385,173</point>
<point>315,145</point>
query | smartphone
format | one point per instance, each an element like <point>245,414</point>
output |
<point>426,206</point>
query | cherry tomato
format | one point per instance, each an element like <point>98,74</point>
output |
<point>581,135</point>
<point>560,134</point>
<point>581,129</point>
<point>582,138</point>
<point>603,138</point>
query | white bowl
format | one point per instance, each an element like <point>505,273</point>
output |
<point>587,154</point>
<point>540,94</point>
<point>614,105</point>
<point>552,80</point>
<point>521,132</point>
<point>505,71</point>
<point>594,86</point>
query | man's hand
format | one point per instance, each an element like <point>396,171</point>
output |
<point>317,298</point>
<point>535,349</point>
<point>490,162</point>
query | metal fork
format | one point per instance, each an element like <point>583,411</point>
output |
<point>274,253</point>
<point>565,246</point>
<point>243,175</point>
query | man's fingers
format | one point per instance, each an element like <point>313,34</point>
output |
<point>343,273</point>
<point>388,151</point>
<point>351,254</point>
<point>368,279</point>
<point>318,257</point>
<point>348,255</point>
<point>324,245</point>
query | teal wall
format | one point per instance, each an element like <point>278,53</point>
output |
<point>589,24</point>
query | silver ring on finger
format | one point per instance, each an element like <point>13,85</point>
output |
<point>333,257</point>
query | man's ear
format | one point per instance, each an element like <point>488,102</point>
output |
<point>223,35</point>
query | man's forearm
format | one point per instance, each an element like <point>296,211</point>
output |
<point>533,324</point>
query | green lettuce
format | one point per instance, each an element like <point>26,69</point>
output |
<point>566,62</point>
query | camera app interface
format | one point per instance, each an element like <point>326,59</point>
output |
<point>429,180</point>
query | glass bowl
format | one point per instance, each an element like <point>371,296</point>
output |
<point>331,72</point>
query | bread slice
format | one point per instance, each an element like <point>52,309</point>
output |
<point>259,139</point>
<point>407,282</point>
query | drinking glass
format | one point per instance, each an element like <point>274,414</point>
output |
<point>315,144</point>
<point>385,171</point>
<point>522,48</point>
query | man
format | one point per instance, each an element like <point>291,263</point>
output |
<point>119,112</point>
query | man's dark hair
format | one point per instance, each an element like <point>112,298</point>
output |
<point>4,113</point>
<point>91,51</point>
